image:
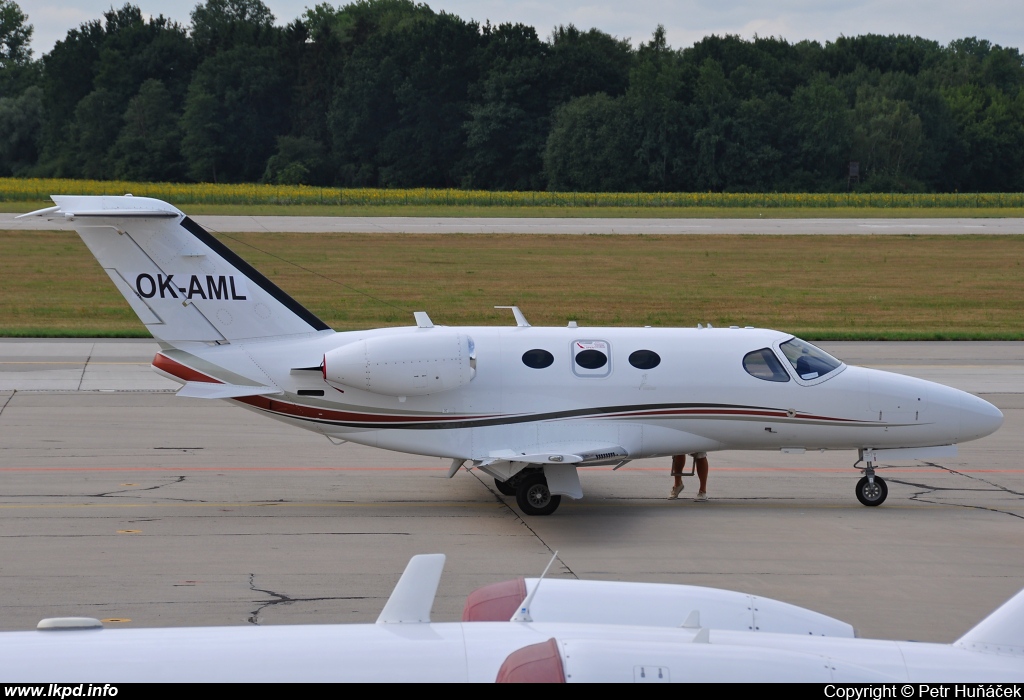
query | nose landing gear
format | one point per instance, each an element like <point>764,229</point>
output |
<point>872,492</point>
<point>871,489</point>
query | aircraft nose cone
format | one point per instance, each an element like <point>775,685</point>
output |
<point>978,417</point>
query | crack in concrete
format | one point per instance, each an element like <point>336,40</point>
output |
<point>927,489</point>
<point>976,478</point>
<point>112,494</point>
<point>85,366</point>
<point>15,391</point>
<point>519,517</point>
<point>175,480</point>
<point>282,599</point>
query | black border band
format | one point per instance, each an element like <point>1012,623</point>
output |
<point>253,274</point>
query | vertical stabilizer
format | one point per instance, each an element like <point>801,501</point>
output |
<point>413,597</point>
<point>182,283</point>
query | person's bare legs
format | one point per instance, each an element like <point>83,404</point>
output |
<point>701,467</point>
<point>678,463</point>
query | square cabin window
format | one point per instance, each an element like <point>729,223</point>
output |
<point>591,358</point>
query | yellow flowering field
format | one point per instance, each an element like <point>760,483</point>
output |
<point>39,189</point>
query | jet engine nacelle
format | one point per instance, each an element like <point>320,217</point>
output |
<point>647,605</point>
<point>423,362</point>
<point>638,661</point>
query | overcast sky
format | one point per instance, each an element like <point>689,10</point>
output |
<point>686,21</point>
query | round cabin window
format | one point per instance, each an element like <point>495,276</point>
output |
<point>645,359</point>
<point>538,359</point>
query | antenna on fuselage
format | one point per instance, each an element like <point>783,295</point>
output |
<point>520,319</point>
<point>523,614</point>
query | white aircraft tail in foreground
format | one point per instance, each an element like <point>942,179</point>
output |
<point>528,406</point>
<point>575,632</point>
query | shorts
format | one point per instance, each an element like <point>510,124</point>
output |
<point>699,455</point>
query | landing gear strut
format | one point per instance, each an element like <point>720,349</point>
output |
<point>871,489</point>
<point>507,487</point>
<point>534,497</point>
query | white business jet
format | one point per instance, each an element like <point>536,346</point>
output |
<point>525,630</point>
<point>528,406</point>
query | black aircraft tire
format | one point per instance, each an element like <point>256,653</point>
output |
<point>872,494</point>
<point>534,497</point>
<point>505,487</point>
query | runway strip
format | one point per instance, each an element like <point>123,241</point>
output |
<point>576,226</point>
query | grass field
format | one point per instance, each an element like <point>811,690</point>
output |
<point>821,287</point>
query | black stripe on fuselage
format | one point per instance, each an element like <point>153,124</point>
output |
<point>253,274</point>
<point>645,411</point>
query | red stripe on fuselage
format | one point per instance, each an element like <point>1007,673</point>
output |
<point>316,413</point>
<point>185,374</point>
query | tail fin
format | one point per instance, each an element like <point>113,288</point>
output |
<point>1001,632</point>
<point>183,283</point>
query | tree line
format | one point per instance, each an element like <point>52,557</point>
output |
<point>389,93</point>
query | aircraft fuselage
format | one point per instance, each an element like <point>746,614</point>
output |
<point>698,398</point>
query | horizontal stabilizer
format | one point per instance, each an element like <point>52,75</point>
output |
<point>123,213</point>
<point>39,212</point>
<point>70,207</point>
<point>209,390</point>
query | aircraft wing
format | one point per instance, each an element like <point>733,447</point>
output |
<point>558,460</point>
<point>581,453</point>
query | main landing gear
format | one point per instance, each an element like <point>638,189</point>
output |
<point>531,491</point>
<point>506,488</point>
<point>871,489</point>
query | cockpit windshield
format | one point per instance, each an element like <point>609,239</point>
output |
<point>810,362</point>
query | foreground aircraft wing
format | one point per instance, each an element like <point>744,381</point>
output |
<point>760,640</point>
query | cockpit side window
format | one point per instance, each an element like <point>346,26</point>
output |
<point>810,362</point>
<point>763,364</point>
